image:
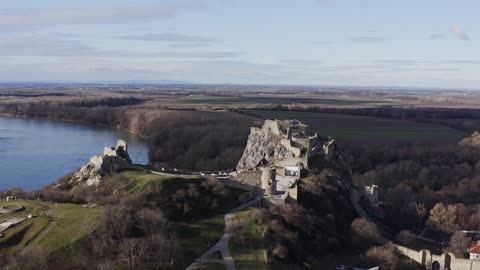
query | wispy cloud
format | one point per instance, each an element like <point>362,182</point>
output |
<point>303,62</point>
<point>359,39</point>
<point>59,47</point>
<point>369,39</point>
<point>189,45</point>
<point>436,36</point>
<point>323,43</point>
<point>459,33</point>
<point>170,37</point>
<point>28,19</point>
<point>406,62</point>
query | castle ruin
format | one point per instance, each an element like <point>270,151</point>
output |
<point>112,160</point>
<point>277,154</point>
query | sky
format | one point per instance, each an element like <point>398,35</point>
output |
<point>407,43</point>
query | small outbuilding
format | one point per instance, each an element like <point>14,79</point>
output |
<point>475,251</point>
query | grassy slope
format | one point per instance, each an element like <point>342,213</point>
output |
<point>142,179</point>
<point>70,227</point>
<point>196,237</point>
<point>252,256</point>
<point>363,129</point>
<point>17,237</point>
<point>66,230</point>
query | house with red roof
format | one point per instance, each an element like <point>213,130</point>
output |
<point>475,250</point>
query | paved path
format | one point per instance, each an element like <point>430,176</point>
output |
<point>48,212</point>
<point>222,245</point>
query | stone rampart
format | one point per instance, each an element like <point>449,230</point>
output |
<point>446,260</point>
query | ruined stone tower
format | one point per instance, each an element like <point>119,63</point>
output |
<point>269,183</point>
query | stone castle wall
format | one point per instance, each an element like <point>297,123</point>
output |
<point>446,260</point>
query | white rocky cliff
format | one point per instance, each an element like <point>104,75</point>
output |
<point>112,160</point>
<point>278,142</point>
<point>472,141</point>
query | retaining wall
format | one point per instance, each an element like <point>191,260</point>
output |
<point>446,260</point>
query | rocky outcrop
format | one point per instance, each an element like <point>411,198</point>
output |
<point>472,141</point>
<point>113,160</point>
<point>263,146</point>
<point>282,143</point>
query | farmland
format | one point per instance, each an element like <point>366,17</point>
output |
<point>351,129</point>
<point>250,99</point>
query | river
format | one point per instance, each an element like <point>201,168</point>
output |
<point>35,153</point>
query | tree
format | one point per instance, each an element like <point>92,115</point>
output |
<point>444,218</point>
<point>364,232</point>
<point>106,265</point>
<point>419,211</point>
<point>406,237</point>
<point>459,244</point>
<point>134,251</point>
<point>33,257</point>
<point>150,221</point>
<point>383,256</point>
<point>239,230</point>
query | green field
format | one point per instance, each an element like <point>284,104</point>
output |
<point>72,222</point>
<point>55,226</point>
<point>351,129</point>
<point>275,99</point>
<point>196,238</point>
<point>140,179</point>
<point>251,256</point>
<point>17,237</point>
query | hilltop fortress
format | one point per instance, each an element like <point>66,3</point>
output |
<point>277,154</point>
<point>112,160</point>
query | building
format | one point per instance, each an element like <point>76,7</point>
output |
<point>371,193</point>
<point>475,251</point>
<point>278,154</point>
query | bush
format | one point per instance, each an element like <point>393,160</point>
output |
<point>383,256</point>
<point>406,237</point>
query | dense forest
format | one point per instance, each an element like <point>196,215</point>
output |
<point>419,183</point>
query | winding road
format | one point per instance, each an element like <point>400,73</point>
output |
<point>222,245</point>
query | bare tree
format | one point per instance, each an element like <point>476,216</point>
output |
<point>151,221</point>
<point>406,237</point>
<point>459,244</point>
<point>443,218</point>
<point>239,230</point>
<point>383,256</point>
<point>33,257</point>
<point>106,265</point>
<point>134,251</point>
<point>364,231</point>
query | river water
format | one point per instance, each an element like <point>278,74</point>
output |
<point>35,153</point>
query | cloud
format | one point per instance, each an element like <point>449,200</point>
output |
<point>459,33</point>
<point>360,39</point>
<point>369,39</point>
<point>60,47</point>
<point>303,62</point>
<point>189,45</point>
<point>436,36</point>
<point>31,19</point>
<point>170,37</point>
<point>323,43</point>
<point>405,62</point>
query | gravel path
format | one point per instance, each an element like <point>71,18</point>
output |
<point>222,245</point>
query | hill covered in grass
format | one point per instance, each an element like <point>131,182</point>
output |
<point>133,219</point>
